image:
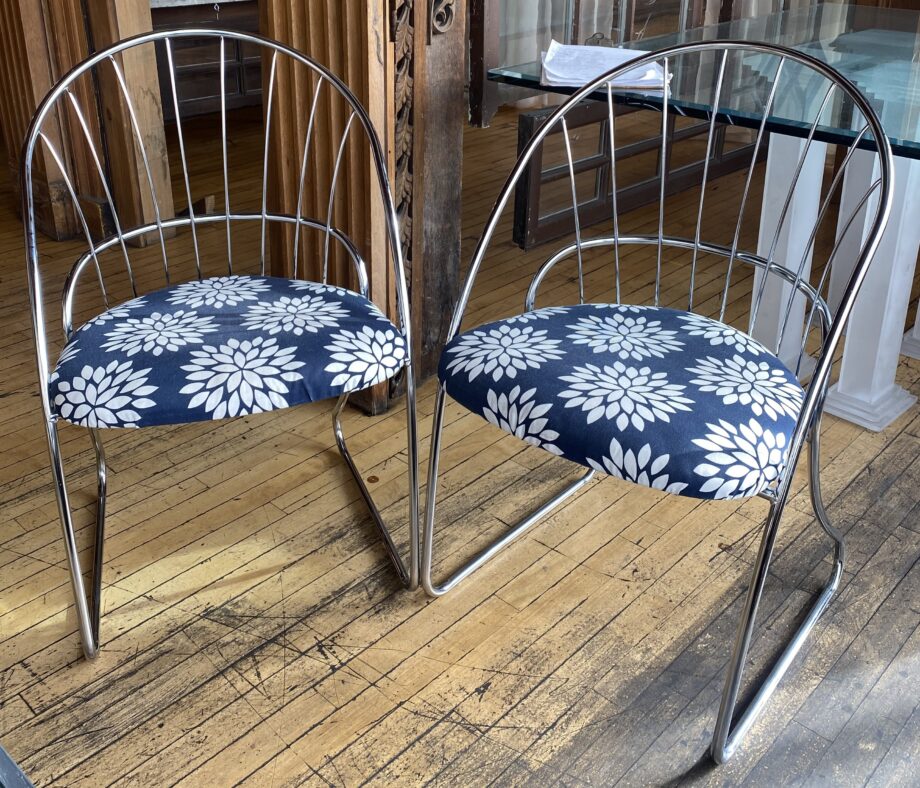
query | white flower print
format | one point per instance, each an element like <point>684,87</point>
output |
<point>240,378</point>
<point>503,350</point>
<point>742,460</point>
<point>640,468</point>
<point>545,313</point>
<point>115,313</point>
<point>520,415</point>
<point>625,336</point>
<point>720,334</point>
<point>310,314</point>
<point>630,395</point>
<point>365,357</point>
<point>375,312</point>
<point>157,332</point>
<point>67,354</point>
<point>108,396</point>
<point>318,287</point>
<point>748,382</point>
<point>218,291</point>
<point>625,308</point>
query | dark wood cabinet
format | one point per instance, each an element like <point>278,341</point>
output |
<point>197,61</point>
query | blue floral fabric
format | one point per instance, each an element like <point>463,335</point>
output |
<point>668,399</point>
<point>221,347</point>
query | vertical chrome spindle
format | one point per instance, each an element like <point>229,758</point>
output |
<point>268,126</point>
<point>332,187</point>
<point>755,306</point>
<point>68,184</point>
<point>663,180</point>
<point>568,154</point>
<point>135,125</point>
<point>223,140</point>
<point>100,170</point>
<point>827,266</point>
<point>747,187</point>
<point>822,212</point>
<point>613,189</point>
<point>709,137</point>
<point>188,187</point>
<point>308,138</point>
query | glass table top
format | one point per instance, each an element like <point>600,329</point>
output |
<point>877,49</point>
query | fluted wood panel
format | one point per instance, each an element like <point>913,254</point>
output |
<point>348,37</point>
<point>68,38</point>
<point>41,41</point>
<point>26,73</point>
<point>111,21</point>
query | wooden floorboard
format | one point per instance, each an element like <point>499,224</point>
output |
<point>254,632</point>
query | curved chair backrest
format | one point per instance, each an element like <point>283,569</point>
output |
<point>236,221</point>
<point>765,89</point>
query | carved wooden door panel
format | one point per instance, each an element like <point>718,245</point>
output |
<point>429,112</point>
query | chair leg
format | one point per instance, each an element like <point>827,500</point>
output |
<point>728,731</point>
<point>484,555</point>
<point>99,547</point>
<point>407,575</point>
<point>88,609</point>
<point>817,501</point>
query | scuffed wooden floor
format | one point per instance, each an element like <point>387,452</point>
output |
<point>254,633</point>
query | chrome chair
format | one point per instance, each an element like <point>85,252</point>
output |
<point>669,394</point>
<point>160,340</point>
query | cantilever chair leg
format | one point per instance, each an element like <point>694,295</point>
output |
<point>817,500</point>
<point>99,538</point>
<point>728,731</point>
<point>88,608</point>
<point>465,570</point>
<point>409,576</point>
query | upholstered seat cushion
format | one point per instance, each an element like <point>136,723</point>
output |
<point>220,347</point>
<point>668,399</point>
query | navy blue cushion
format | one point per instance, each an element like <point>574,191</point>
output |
<point>221,347</point>
<point>668,399</point>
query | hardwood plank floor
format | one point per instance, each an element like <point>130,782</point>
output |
<point>254,632</point>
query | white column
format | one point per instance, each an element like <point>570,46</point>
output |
<point>783,155</point>
<point>866,392</point>
<point>911,344</point>
<point>861,172</point>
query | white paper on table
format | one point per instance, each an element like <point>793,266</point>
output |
<point>570,65</point>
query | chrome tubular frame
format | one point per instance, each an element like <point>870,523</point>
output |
<point>470,566</point>
<point>729,731</point>
<point>408,575</point>
<point>88,604</point>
